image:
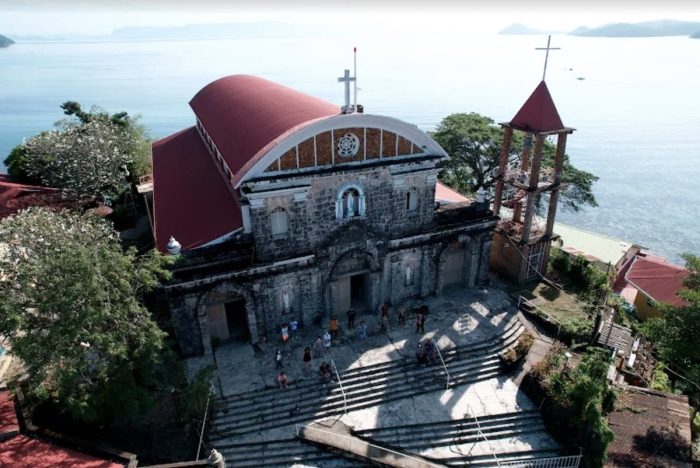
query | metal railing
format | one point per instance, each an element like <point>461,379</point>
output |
<point>478,428</point>
<point>522,300</point>
<point>447,373</point>
<point>340,383</point>
<point>572,461</point>
<point>361,443</point>
<point>204,422</point>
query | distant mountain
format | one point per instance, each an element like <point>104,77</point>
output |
<point>5,41</point>
<point>696,35</point>
<point>517,28</point>
<point>210,31</point>
<point>644,29</point>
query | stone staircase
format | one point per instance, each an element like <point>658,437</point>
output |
<point>452,442</point>
<point>307,400</point>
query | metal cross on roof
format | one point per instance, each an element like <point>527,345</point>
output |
<point>346,78</point>
<point>549,38</point>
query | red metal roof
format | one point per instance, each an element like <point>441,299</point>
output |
<point>246,116</point>
<point>8,417</point>
<point>21,450</point>
<point>658,279</point>
<point>445,194</point>
<point>191,199</point>
<point>15,197</point>
<point>538,114</point>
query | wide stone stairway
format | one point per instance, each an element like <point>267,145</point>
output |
<point>363,387</point>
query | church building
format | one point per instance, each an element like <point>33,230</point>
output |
<point>282,206</point>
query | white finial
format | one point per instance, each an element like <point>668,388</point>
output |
<point>173,246</point>
<point>480,195</point>
<point>346,78</point>
<point>354,101</point>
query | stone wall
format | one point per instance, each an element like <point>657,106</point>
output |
<point>311,211</point>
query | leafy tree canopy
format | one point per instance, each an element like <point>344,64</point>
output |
<point>473,142</point>
<point>89,154</point>
<point>675,335</point>
<point>71,302</point>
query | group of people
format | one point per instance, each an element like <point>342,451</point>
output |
<point>289,330</point>
<point>426,353</point>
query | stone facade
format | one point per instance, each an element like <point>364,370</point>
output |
<point>355,234</point>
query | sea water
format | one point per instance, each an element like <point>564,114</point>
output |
<point>634,102</point>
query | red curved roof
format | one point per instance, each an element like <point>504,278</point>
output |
<point>191,199</point>
<point>658,279</point>
<point>538,114</point>
<point>245,114</point>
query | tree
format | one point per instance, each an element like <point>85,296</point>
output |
<point>71,302</point>
<point>675,335</point>
<point>473,142</point>
<point>90,154</point>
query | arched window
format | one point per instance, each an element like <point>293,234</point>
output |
<point>350,202</point>
<point>279,223</point>
<point>412,199</point>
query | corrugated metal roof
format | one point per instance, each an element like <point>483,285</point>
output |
<point>589,244</point>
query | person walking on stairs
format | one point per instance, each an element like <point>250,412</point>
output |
<point>420,323</point>
<point>307,360</point>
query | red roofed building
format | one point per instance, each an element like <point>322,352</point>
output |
<point>656,280</point>
<point>27,450</point>
<point>284,205</point>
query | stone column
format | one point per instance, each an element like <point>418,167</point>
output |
<point>427,272</point>
<point>532,190</point>
<point>484,260</point>
<point>502,161</point>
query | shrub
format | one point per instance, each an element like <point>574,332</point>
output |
<point>513,355</point>
<point>561,263</point>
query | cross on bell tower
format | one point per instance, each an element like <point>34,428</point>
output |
<point>546,55</point>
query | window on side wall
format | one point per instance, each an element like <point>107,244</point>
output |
<point>279,223</point>
<point>412,199</point>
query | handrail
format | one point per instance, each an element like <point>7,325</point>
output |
<point>447,373</point>
<point>298,428</point>
<point>481,433</point>
<point>204,421</point>
<point>571,461</point>
<point>340,383</point>
<point>549,317</point>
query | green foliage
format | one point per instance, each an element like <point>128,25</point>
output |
<point>88,155</point>
<point>561,263</point>
<point>71,302</point>
<point>15,163</point>
<point>660,380</point>
<point>583,397</point>
<point>473,142</point>
<point>192,402</point>
<point>577,329</point>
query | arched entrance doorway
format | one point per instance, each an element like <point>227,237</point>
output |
<point>351,283</point>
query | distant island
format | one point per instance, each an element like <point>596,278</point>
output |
<point>521,29</point>
<point>644,29</point>
<point>696,35</point>
<point>5,41</point>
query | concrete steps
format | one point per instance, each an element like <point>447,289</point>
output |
<point>284,452</point>
<point>465,431</point>
<point>364,387</point>
<point>453,442</point>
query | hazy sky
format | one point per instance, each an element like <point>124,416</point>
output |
<point>103,16</point>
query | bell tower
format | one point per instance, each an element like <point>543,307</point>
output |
<point>522,241</point>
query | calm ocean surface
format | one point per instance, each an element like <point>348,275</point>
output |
<point>637,113</point>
